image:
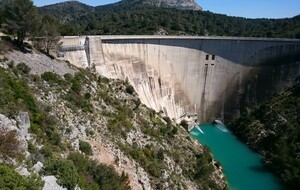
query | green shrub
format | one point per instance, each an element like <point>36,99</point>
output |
<point>15,95</point>
<point>32,148</point>
<point>168,120</point>
<point>51,77</point>
<point>184,124</point>
<point>23,68</point>
<point>108,178</point>
<point>94,175</point>
<point>89,132</point>
<point>81,161</point>
<point>11,64</point>
<point>64,170</point>
<point>77,100</point>
<point>174,131</point>
<point>87,96</point>
<point>129,89</point>
<point>160,154</point>
<point>68,77</point>
<point>46,151</point>
<point>85,147</point>
<point>76,86</point>
<point>10,180</point>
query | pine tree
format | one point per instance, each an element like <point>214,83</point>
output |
<point>21,17</point>
<point>49,31</point>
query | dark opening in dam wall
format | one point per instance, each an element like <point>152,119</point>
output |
<point>210,76</point>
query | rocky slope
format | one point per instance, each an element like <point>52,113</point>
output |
<point>70,120</point>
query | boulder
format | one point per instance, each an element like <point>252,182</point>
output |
<point>23,171</point>
<point>23,123</point>
<point>50,183</point>
<point>37,167</point>
<point>6,123</point>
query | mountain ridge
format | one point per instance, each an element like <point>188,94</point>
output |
<point>132,4</point>
<point>177,4</point>
<point>133,18</point>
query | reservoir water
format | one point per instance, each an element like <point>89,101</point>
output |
<point>243,168</point>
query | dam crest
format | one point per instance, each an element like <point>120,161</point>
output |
<point>210,76</point>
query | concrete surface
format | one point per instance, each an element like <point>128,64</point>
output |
<point>210,76</point>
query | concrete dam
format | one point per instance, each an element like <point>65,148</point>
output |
<point>210,76</point>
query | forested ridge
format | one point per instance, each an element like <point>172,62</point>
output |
<point>77,19</point>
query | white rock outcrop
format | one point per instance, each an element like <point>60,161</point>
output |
<point>51,184</point>
<point>23,123</point>
<point>6,123</point>
<point>37,167</point>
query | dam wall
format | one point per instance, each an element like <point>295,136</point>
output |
<point>213,77</point>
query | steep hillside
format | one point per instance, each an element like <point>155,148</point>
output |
<point>273,130</point>
<point>132,17</point>
<point>84,130</point>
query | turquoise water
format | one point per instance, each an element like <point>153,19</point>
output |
<point>243,168</point>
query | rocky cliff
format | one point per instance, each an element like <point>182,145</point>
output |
<point>178,4</point>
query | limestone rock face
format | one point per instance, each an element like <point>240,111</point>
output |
<point>178,4</point>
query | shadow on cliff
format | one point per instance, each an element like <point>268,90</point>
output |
<point>261,83</point>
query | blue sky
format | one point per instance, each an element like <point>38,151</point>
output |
<point>244,8</point>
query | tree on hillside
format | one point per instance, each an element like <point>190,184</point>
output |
<point>21,17</point>
<point>49,33</point>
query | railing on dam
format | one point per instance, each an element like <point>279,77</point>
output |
<point>155,37</point>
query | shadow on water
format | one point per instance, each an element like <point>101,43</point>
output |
<point>261,169</point>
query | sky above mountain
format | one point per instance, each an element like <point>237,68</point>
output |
<point>248,8</point>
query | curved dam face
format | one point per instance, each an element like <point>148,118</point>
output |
<point>213,77</point>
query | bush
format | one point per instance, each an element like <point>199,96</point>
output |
<point>15,95</point>
<point>85,148</point>
<point>129,89</point>
<point>51,77</point>
<point>9,143</point>
<point>76,86</point>
<point>64,170</point>
<point>10,179</point>
<point>68,77</point>
<point>80,161</point>
<point>94,175</point>
<point>46,151</point>
<point>87,96</point>
<point>184,124</point>
<point>108,178</point>
<point>23,68</point>
<point>79,101</point>
<point>168,120</point>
